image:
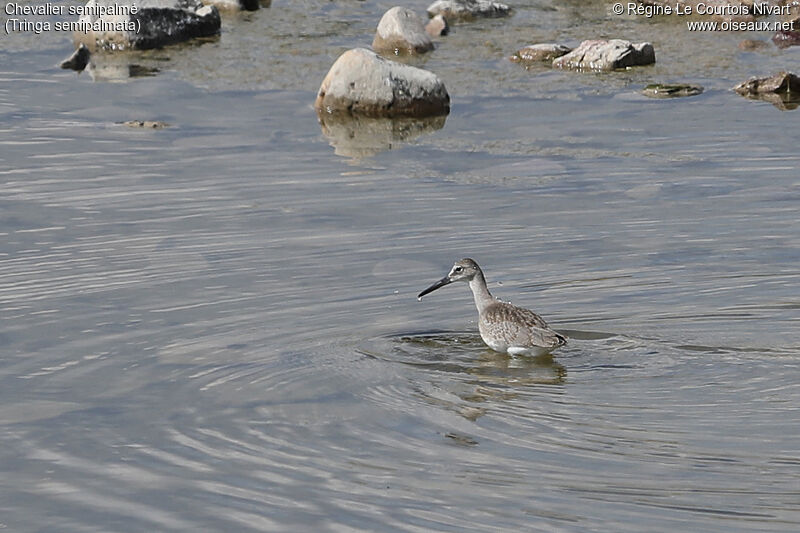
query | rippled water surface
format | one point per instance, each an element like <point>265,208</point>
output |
<point>214,326</point>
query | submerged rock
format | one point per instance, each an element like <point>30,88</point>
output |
<point>663,90</point>
<point>437,26</point>
<point>144,24</point>
<point>607,55</point>
<point>78,60</point>
<point>750,45</point>
<point>468,9</point>
<point>361,82</point>
<point>540,52</point>
<point>146,124</point>
<point>782,82</point>
<point>401,31</point>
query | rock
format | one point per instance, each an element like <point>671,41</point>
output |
<point>359,137</point>
<point>361,82</point>
<point>146,124</point>
<point>235,5</point>
<point>401,31</point>
<point>540,52</point>
<point>782,82</point>
<point>145,24</point>
<point>437,26</point>
<point>468,9</point>
<point>78,60</point>
<point>785,39</point>
<point>750,45</point>
<point>607,55</point>
<point>662,90</point>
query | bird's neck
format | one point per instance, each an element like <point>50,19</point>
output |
<point>483,298</point>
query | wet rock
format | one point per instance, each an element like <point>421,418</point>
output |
<point>468,9</point>
<point>235,5</point>
<point>78,60</point>
<point>607,55</point>
<point>437,26</point>
<point>361,82</point>
<point>751,45</point>
<point>146,124</point>
<point>401,31</point>
<point>146,23</point>
<point>785,39</point>
<point>780,83</point>
<point>540,52</point>
<point>359,137</point>
<point>663,90</point>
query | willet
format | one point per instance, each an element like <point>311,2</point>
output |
<point>503,327</point>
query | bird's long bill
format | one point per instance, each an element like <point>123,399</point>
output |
<point>441,283</point>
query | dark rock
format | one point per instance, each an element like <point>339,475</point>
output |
<point>662,90</point>
<point>401,31</point>
<point>782,82</point>
<point>437,26</point>
<point>149,24</point>
<point>364,83</point>
<point>78,60</point>
<point>540,52</point>
<point>785,39</point>
<point>468,9</point>
<point>607,55</point>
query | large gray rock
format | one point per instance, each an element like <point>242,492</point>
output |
<point>607,55</point>
<point>540,52</point>
<point>468,9</point>
<point>364,83</point>
<point>144,23</point>
<point>401,31</point>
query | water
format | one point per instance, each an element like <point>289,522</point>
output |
<point>213,326</point>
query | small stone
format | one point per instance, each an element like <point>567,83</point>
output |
<point>437,26</point>
<point>540,52</point>
<point>468,9</point>
<point>662,90</point>
<point>78,60</point>
<point>146,124</point>
<point>401,31</point>
<point>362,82</point>
<point>607,55</point>
<point>749,45</point>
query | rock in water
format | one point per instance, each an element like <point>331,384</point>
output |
<point>782,82</point>
<point>401,31</point>
<point>468,9</point>
<point>437,26</point>
<point>143,24</point>
<point>540,52</point>
<point>607,55</point>
<point>363,83</point>
<point>78,60</point>
<point>677,90</point>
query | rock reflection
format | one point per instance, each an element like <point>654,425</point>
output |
<point>361,137</point>
<point>783,101</point>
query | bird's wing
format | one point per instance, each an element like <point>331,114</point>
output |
<point>520,326</point>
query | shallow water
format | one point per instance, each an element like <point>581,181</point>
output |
<point>214,326</point>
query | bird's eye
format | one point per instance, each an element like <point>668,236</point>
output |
<point>457,269</point>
